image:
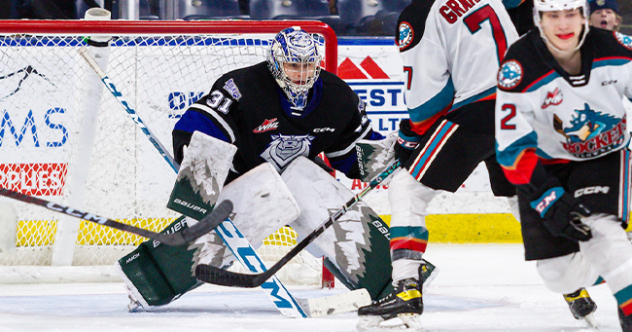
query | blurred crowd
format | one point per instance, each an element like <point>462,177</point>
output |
<point>346,17</point>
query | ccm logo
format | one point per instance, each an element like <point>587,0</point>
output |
<point>591,190</point>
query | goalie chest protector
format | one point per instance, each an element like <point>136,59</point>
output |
<point>248,107</point>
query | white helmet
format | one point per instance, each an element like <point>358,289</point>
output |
<point>294,45</point>
<point>555,5</point>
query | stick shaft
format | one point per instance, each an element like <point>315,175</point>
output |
<point>211,274</point>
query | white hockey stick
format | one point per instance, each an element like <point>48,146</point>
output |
<point>280,299</point>
<point>83,51</point>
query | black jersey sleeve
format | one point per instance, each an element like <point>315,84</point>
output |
<point>342,154</point>
<point>214,114</point>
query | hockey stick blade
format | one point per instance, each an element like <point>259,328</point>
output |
<point>176,239</point>
<point>214,275</point>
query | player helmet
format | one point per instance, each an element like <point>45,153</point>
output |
<point>294,61</point>
<point>555,5</point>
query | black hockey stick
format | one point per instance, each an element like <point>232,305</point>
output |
<point>213,275</point>
<point>207,224</point>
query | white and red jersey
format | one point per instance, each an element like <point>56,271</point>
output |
<point>451,51</point>
<point>544,115</point>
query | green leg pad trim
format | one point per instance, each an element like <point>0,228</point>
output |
<point>376,275</point>
<point>160,272</point>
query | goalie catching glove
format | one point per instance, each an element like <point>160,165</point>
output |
<point>562,214</point>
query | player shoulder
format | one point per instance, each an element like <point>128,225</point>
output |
<point>241,82</point>
<point>332,82</point>
<point>610,43</point>
<point>411,24</point>
<point>522,64</point>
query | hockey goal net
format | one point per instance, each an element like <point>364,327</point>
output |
<point>63,136</point>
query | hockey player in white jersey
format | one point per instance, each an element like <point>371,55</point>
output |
<point>451,52</point>
<point>562,140</point>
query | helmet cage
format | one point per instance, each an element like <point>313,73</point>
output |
<point>560,5</point>
<point>293,45</point>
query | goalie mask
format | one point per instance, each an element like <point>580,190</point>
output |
<point>540,6</point>
<point>294,61</point>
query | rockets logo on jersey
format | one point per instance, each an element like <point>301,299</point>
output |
<point>267,125</point>
<point>553,98</point>
<point>624,39</point>
<point>406,35</point>
<point>285,148</point>
<point>591,133</point>
<point>510,74</point>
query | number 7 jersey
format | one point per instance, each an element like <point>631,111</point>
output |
<point>451,50</point>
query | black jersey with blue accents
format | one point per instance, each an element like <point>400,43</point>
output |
<point>246,108</point>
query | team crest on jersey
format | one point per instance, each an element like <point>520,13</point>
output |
<point>405,34</point>
<point>624,40</point>
<point>285,148</point>
<point>510,74</point>
<point>267,125</point>
<point>231,88</point>
<point>553,98</point>
<point>591,133</point>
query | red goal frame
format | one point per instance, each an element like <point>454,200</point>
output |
<point>120,27</point>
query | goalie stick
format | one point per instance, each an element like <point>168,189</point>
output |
<point>284,301</point>
<point>83,51</point>
<point>210,222</point>
<point>213,275</point>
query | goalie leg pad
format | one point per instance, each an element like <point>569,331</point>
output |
<point>261,205</point>
<point>357,245</point>
<point>156,274</point>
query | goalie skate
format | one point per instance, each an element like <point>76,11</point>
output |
<point>582,306</point>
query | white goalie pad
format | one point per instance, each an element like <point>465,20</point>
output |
<point>8,227</point>
<point>262,204</point>
<point>319,195</point>
<point>206,164</point>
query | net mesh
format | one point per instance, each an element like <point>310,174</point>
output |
<point>63,136</point>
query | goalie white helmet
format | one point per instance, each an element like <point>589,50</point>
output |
<point>540,6</point>
<point>294,61</point>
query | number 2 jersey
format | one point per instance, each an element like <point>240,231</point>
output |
<point>246,108</point>
<point>451,50</point>
<point>545,116</point>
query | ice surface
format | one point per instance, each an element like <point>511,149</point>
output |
<point>484,288</point>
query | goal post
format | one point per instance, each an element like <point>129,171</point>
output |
<point>65,138</point>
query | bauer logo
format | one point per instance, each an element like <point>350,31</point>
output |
<point>45,179</point>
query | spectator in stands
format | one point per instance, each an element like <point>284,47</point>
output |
<point>5,9</point>
<point>605,14</point>
<point>47,9</point>
<point>244,7</point>
<point>333,10</point>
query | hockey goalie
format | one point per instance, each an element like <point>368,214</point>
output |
<point>254,140</point>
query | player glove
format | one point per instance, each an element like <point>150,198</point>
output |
<point>407,141</point>
<point>563,214</point>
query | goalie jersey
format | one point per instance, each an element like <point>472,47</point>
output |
<point>544,115</point>
<point>445,46</point>
<point>247,108</point>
